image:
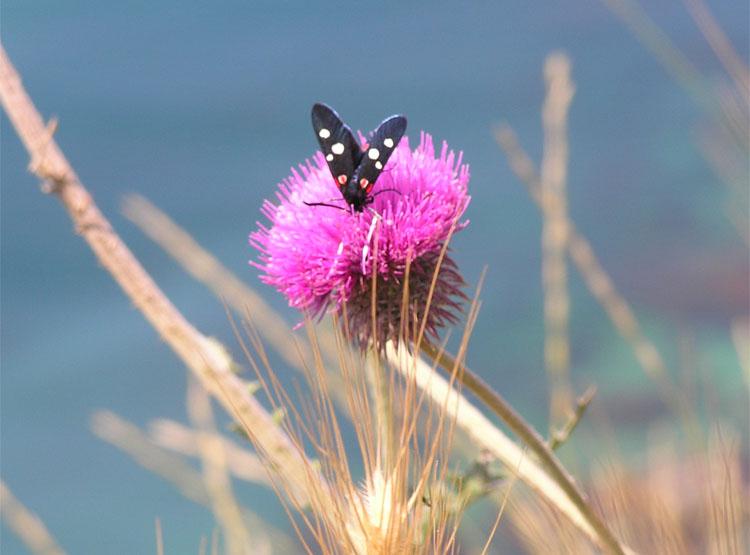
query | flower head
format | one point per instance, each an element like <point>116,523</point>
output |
<point>322,258</point>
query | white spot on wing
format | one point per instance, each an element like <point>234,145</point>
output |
<point>324,133</point>
<point>338,148</point>
<point>388,142</point>
<point>373,153</point>
<point>378,165</point>
<point>329,157</point>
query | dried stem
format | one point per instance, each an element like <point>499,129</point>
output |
<point>26,525</point>
<point>720,44</point>
<point>596,278</point>
<point>215,473</point>
<point>560,92</point>
<point>210,364</point>
<point>205,268</point>
<point>177,471</point>
<point>159,537</point>
<point>471,381</point>
<point>468,418</point>
<point>243,464</point>
<point>661,46</point>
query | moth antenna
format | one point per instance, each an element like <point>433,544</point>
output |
<point>323,204</point>
<point>387,191</point>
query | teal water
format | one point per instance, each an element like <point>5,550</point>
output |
<point>203,109</point>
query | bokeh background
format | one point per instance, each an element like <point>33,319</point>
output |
<point>204,108</point>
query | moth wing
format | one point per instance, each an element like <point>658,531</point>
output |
<point>383,143</point>
<point>339,146</point>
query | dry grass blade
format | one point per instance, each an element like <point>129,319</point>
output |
<point>179,438</point>
<point>467,418</point>
<point>724,100</point>
<point>26,525</point>
<point>602,534</point>
<point>205,268</point>
<point>207,362</point>
<point>560,92</point>
<point>175,470</point>
<point>488,436</point>
<point>660,45</point>
<point>159,537</point>
<point>726,496</point>
<point>720,44</point>
<point>216,476</point>
<point>382,513</point>
<point>741,339</point>
<point>597,280</point>
<point>677,503</point>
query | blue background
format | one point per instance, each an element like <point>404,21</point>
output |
<point>203,108</point>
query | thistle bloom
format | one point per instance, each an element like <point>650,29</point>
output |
<point>322,258</point>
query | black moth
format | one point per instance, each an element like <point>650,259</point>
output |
<point>354,170</point>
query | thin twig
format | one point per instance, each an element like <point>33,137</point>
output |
<point>661,46</point>
<point>720,44</point>
<point>176,471</point>
<point>205,268</point>
<point>208,363</point>
<point>215,473</point>
<point>182,439</point>
<point>560,92</point>
<point>159,537</point>
<point>596,278</point>
<point>530,437</point>
<point>561,436</point>
<point>26,525</point>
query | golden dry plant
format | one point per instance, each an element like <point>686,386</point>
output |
<point>676,502</point>
<point>387,489</point>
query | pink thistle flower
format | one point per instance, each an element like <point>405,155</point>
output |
<point>322,258</point>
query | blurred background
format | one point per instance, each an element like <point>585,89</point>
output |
<point>204,109</point>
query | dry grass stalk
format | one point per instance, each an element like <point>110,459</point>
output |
<point>664,50</point>
<point>26,525</point>
<point>182,439</point>
<point>468,419</point>
<point>207,362</point>
<point>385,511</point>
<point>678,504</point>
<point>596,278</point>
<point>717,39</point>
<point>175,470</point>
<point>159,537</point>
<point>486,435</point>
<point>726,496</point>
<point>553,176</point>
<point>597,526</point>
<point>741,339</point>
<point>216,476</point>
<point>726,103</point>
<point>205,268</point>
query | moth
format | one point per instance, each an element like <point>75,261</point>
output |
<point>354,169</point>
